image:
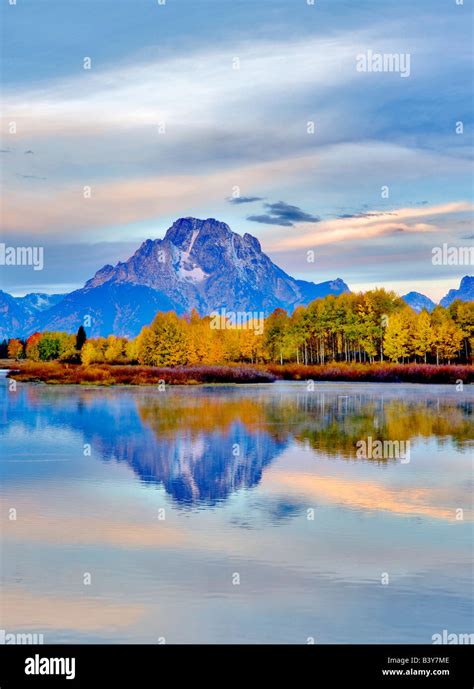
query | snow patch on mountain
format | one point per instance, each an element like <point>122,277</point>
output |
<point>193,274</point>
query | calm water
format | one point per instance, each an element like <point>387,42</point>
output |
<point>234,471</point>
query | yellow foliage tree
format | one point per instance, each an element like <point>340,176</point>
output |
<point>448,338</point>
<point>422,335</point>
<point>398,339</point>
<point>131,350</point>
<point>115,351</point>
<point>93,351</point>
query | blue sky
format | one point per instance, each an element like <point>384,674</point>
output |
<point>188,101</point>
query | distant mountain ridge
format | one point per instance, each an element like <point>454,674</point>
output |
<point>200,264</point>
<point>464,293</point>
<point>419,301</point>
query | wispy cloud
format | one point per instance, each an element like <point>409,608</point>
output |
<point>369,226</point>
<point>49,211</point>
<point>237,200</point>
<point>30,176</point>
<point>149,92</point>
<point>364,215</point>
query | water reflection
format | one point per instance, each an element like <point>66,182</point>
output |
<point>237,470</point>
<point>204,444</point>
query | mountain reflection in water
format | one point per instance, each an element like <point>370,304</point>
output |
<point>202,444</point>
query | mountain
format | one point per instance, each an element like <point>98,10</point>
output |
<point>119,309</point>
<point>13,317</point>
<point>418,302</point>
<point>36,302</point>
<point>199,264</point>
<point>311,291</point>
<point>464,293</point>
<point>202,264</point>
<point>18,314</point>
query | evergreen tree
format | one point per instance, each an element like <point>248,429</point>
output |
<point>81,338</point>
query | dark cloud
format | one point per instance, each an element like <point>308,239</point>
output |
<point>244,199</point>
<point>364,215</point>
<point>30,177</point>
<point>269,220</point>
<point>281,213</point>
<point>29,152</point>
<point>468,236</point>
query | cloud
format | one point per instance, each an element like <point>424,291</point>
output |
<point>248,127</point>
<point>428,219</point>
<point>269,220</point>
<point>364,215</point>
<point>146,93</point>
<point>108,119</point>
<point>244,199</point>
<point>30,176</point>
<point>284,214</point>
<point>45,210</point>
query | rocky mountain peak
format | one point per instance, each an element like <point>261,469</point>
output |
<point>200,264</point>
<point>184,232</point>
<point>464,293</point>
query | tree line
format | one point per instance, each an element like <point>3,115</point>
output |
<point>364,328</point>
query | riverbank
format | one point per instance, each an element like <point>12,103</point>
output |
<point>55,373</point>
<point>376,373</point>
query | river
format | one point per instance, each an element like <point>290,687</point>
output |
<point>236,514</point>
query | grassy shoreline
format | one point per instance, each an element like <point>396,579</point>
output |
<point>54,373</point>
<point>377,373</point>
